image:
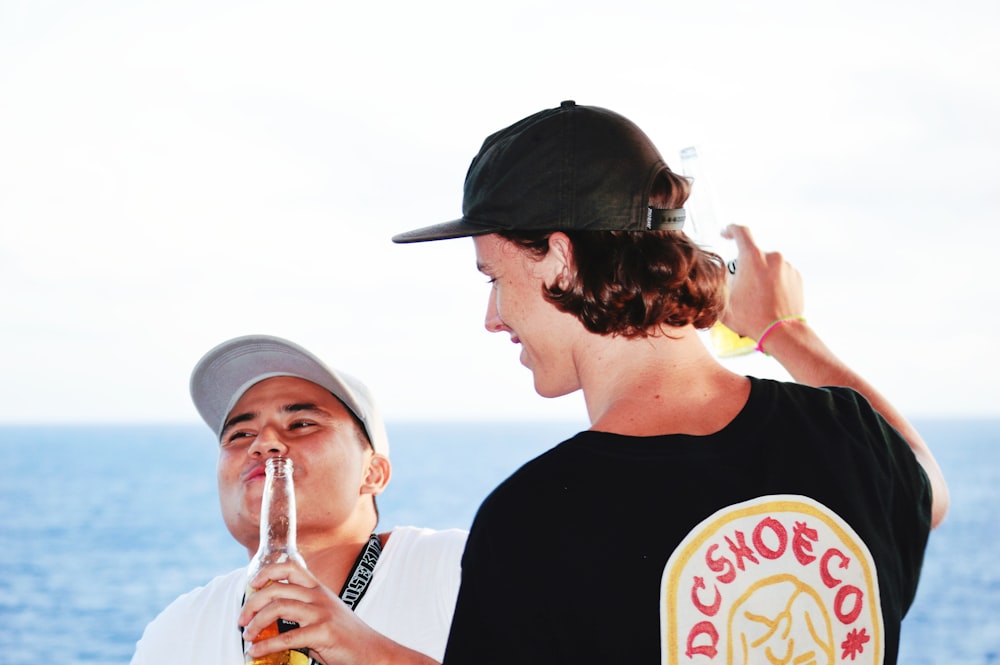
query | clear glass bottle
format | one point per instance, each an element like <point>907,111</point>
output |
<point>707,232</point>
<point>277,545</point>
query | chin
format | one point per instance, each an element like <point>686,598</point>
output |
<point>552,391</point>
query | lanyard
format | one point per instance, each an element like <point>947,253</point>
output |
<point>361,575</point>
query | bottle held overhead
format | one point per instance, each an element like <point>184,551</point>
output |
<point>706,231</point>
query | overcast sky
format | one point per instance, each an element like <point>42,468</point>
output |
<point>176,173</point>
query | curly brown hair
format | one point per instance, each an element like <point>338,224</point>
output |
<point>630,282</point>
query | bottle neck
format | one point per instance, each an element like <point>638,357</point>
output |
<point>277,512</point>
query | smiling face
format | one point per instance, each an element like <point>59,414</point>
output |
<point>336,471</point>
<point>516,306</point>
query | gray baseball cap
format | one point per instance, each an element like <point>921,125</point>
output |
<point>562,169</point>
<point>226,372</point>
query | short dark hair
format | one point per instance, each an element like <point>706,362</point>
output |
<point>364,440</point>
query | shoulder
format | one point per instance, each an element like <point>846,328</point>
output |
<point>411,541</point>
<point>524,501</point>
<point>413,588</point>
<point>832,420</point>
<point>840,404</point>
<point>421,556</point>
<point>540,471</point>
<point>834,408</point>
<point>823,396</point>
<point>219,588</point>
<point>199,612</point>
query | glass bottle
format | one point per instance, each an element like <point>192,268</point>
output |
<point>707,232</point>
<point>277,545</point>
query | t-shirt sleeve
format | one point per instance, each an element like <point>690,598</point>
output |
<point>908,493</point>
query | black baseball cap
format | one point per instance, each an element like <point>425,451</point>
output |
<point>568,168</point>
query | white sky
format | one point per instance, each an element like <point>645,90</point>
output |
<point>176,173</point>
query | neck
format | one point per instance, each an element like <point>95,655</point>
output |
<point>332,563</point>
<point>660,385</point>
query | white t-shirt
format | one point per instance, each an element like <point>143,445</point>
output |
<point>410,600</point>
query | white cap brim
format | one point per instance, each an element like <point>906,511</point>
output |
<point>226,372</point>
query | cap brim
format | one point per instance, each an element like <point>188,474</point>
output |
<point>226,372</point>
<point>459,228</point>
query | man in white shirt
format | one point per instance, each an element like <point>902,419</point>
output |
<point>264,396</point>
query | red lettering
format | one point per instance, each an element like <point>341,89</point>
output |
<point>824,567</point>
<point>719,565</point>
<point>741,550</point>
<point>704,628</point>
<point>707,610</point>
<point>802,542</point>
<point>778,530</point>
<point>847,617</point>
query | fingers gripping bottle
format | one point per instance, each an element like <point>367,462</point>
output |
<point>277,545</point>
<point>707,232</point>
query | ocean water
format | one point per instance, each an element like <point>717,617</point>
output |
<point>102,526</point>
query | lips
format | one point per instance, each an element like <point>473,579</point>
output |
<point>254,472</point>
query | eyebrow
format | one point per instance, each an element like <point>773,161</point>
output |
<point>301,406</point>
<point>250,415</point>
<point>235,420</point>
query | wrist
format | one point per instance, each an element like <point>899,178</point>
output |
<point>773,326</point>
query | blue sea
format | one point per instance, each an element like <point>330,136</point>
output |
<point>102,526</point>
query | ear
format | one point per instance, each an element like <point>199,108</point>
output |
<point>377,477</point>
<point>559,260</point>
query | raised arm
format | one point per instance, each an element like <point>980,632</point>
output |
<point>766,289</point>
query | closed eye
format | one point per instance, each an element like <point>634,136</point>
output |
<point>233,437</point>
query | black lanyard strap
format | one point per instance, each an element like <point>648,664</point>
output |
<point>361,575</point>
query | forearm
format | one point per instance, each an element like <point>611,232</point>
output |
<point>381,650</point>
<point>809,361</point>
<point>393,653</point>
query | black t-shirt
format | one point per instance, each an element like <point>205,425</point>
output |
<point>805,519</point>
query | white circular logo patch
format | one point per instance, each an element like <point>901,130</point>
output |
<point>776,580</point>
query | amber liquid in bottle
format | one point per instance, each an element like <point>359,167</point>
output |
<point>277,545</point>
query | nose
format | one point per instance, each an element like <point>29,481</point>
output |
<point>267,443</point>
<point>494,323</point>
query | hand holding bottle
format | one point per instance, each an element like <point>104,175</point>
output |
<point>765,289</point>
<point>327,628</point>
